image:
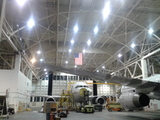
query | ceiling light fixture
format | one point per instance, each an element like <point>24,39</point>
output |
<point>133,45</point>
<point>72,41</point>
<point>84,51</point>
<point>21,2</point>
<point>75,66</point>
<point>30,23</point>
<point>119,55</point>
<point>103,67</point>
<point>106,10</point>
<point>95,30</point>
<point>150,31</point>
<point>66,62</point>
<point>41,59</point>
<point>69,50</point>
<point>89,42</point>
<point>97,70</point>
<point>33,60</point>
<point>76,29</point>
<point>45,69</point>
<point>38,52</point>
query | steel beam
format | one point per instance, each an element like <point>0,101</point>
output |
<point>2,16</point>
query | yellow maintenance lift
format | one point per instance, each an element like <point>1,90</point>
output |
<point>65,100</point>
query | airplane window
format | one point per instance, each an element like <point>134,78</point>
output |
<point>77,86</point>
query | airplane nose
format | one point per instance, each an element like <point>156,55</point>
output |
<point>81,91</point>
<point>90,92</point>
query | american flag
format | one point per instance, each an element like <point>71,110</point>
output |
<point>78,58</point>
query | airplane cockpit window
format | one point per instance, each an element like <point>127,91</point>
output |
<point>77,86</point>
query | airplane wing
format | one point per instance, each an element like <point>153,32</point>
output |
<point>95,75</point>
<point>140,85</point>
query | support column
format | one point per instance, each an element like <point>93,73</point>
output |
<point>144,68</point>
<point>94,88</point>
<point>2,15</point>
<point>30,74</point>
<point>50,80</point>
<point>17,63</point>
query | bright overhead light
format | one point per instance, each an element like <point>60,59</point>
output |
<point>66,62</point>
<point>30,23</point>
<point>76,29</point>
<point>106,10</point>
<point>97,70</point>
<point>84,51</point>
<point>72,41</point>
<point>20,38</point>
<point>46,73</point>
<point>133,45</point>
<point>103,67</point>
<point>33,60</point>
<point>95,30</point>
<point>45,69</point>
<point>38,52</point>
<point>70,50</point>
<point>41,59</point>
<point>21,2</point>
<point>89,42</point>
<point>75,66</point>
<point>150,31</point>
<point>119,55</point>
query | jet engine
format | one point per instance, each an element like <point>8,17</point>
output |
<point>132,100</point>
<point>96,100</point>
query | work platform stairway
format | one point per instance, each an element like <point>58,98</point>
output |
<point>3,107</point>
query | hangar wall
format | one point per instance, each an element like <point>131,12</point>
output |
<point>17,85</point>
<point>41,87</point>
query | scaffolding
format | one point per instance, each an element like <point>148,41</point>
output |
<point>66,100</point>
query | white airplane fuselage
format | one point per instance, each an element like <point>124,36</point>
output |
<point>77,90</point>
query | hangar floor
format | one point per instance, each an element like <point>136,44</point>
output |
<point>104,115</point>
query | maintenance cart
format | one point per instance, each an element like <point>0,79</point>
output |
<point>87,109</point>
<point>114,107</point>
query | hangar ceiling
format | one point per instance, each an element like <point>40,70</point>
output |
<point>127,22</point>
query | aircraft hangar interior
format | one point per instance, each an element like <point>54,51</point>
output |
<point>74,53</point>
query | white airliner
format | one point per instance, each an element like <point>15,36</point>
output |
<point>77,92</point>
<point>137,96</point>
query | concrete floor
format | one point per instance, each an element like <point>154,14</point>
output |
<point>104,115</point>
